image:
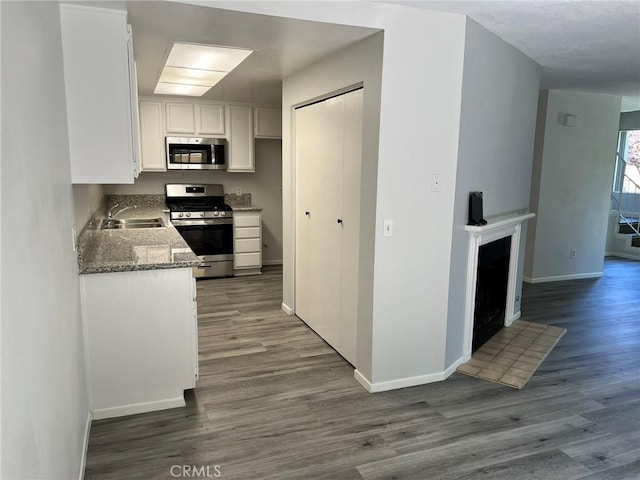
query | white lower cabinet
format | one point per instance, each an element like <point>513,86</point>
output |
<point>247,243</point>
<point>140,332</point>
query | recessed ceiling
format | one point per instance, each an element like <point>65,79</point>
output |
<point>580,45</point>
<point>282,46</point>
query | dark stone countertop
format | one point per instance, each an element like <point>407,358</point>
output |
<point>106,251</point>
<point>246,208</point>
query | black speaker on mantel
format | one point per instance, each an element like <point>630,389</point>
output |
<point>475,209</point>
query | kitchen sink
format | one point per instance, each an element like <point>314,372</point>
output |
<point>126,223</point>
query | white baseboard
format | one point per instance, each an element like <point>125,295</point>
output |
<point>515,317</point>
<point>134,408</point>
<point>623,255</point>
<point>287,309</point>
<point>272,262</point>
<point>452,368</point>
<point>401,382</point>
<point>85,445</point>
<point>410,381</point>
<point>247,272</point>
<point>561,278</point>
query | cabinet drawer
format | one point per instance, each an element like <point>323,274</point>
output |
<point>247,221</point>
<point>248,232</point>
<point>246,260</point>
<point>247,245</point>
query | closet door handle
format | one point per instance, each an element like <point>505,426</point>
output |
<point>339,220</point>
<point>307,213</point>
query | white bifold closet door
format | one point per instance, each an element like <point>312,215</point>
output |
<point>328,151</point>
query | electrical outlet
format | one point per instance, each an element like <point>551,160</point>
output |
<point>238,192</point>
<point>572,253</point>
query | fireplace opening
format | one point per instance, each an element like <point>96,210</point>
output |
<point>491,290</point>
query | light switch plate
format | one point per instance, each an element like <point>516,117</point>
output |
<point>73,238</point>
<point>387,228</point>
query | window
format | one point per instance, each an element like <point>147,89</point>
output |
<point>627,172</point>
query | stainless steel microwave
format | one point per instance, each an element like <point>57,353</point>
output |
<point>196,153</point>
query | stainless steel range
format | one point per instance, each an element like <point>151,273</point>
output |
<point>206,223</point>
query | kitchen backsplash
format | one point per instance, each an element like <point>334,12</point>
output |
<point>234,200</point>
<point>143,200</point>
<point>156,200</point>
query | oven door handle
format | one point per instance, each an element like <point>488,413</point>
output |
<point>202,222</point>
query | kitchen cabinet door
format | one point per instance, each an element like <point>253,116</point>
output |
<point>152,137</point>
<point>240,135</point>
<point>140,335</point>
<point>180,118</point>
<point>210,119</point>
<point>100,89</point>
<point>268,122</point>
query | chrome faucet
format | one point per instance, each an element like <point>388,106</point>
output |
<point>111,216</point>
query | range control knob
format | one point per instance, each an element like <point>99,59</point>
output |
<point>188,214</point>
<point>202,214</point>
<point>180,215</point>
<point>222,214</point>
<point>215,214</point>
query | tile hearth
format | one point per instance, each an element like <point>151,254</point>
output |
<point>512,356</point>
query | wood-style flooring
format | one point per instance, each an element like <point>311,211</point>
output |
<point>275,402</point>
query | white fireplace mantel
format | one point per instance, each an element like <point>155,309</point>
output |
<point>496,228</point>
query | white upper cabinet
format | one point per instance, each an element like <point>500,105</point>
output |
<point>181,118</point>
<point>101,94</point>
<point>268,122</point>
<point>152,137</point>
<point>210,119</point>
<point>240,135</point>
<point>239,124</point>
<point>195,119</point>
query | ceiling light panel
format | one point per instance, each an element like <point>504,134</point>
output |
<point>205,57</point>
<point>180,89</point>
<point>193,69</point>
<point>191,76</point>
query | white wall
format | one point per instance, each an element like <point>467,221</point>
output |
<point>360,63</point>
<point>573,174</point>
<point>44,395</point>
<point>495,153</point>
<point>419,122</point>
<point>265,187</point>
<point>86,200</point>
